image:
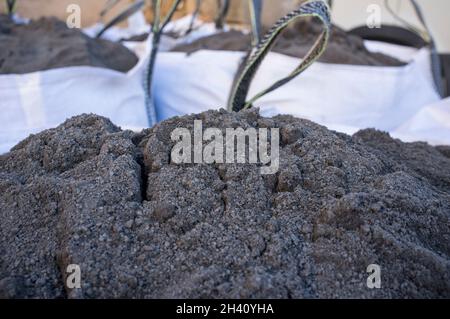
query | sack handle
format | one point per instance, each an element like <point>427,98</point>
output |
<point>436,67</point>
<point>426,35</point>
<point>254,58</point>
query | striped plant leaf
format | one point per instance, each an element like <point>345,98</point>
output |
<point>255,17</point>
<point>254,58</point>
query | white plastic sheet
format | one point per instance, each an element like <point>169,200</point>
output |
<point>30,103</point>
<point>37,101</point>
<point>431,123</point>
<point>345,98</point>
<point>401,100</point>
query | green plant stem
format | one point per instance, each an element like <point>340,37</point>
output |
<point>157,29</point>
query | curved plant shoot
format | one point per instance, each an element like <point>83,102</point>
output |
<point>251,63</point>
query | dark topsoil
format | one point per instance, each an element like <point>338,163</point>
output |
<point>296,41</point>
<point>110,201</point>
<point>48,44</point>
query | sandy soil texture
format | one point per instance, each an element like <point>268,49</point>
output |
<point>47,43</point>
<point>296,41</point>
<point>138,225</point>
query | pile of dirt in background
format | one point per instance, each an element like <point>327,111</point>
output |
<point>296,41</point>
<point>48,43</point>
<point>111,201</point>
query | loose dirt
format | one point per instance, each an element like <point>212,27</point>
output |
<point>111,201</point>
<point>48,43</point>
<point>296,41</point>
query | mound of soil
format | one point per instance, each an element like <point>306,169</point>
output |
<point>48,44</point>
<point>296,41</point>
<point>112,202</point>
